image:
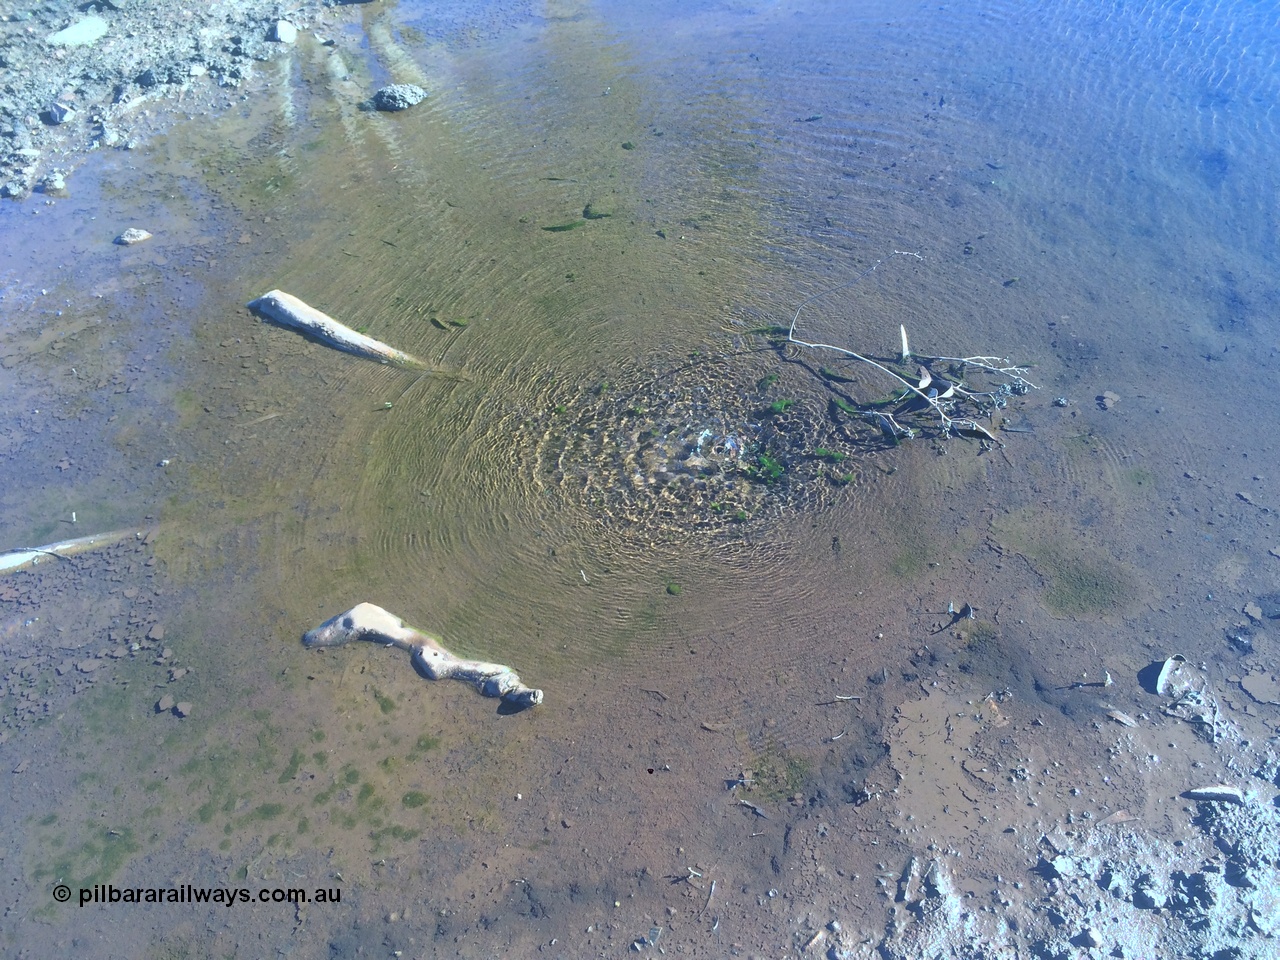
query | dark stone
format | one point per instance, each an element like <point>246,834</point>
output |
<point>398,96</point>
<point>57,113</point>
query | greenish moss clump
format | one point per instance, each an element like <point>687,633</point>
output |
<point>414,799</point>
<point>674,589</point>
<point>291,770</point>
<point>780,406</point>
<point>768,469</point>
<point>778,774</point>
<point>1079,587</point>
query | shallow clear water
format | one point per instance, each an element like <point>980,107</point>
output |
<point>1085,188</point>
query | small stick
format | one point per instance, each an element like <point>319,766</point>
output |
<point>710,893</point>
<point>953,421</point>
<point>753,808</point>
<point>40,550</point>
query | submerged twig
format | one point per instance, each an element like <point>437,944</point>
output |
<point>941,397</point>
<point>754,809</point>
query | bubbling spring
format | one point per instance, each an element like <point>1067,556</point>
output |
<point>719,441</point>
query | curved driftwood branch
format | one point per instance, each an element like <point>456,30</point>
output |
<point>287,310</point>
<point>19,558</point>
<point>365,621</point>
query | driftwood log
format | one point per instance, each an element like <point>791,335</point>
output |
<point>19,558</point>
<point>287,310</point>
<point>365,621</point>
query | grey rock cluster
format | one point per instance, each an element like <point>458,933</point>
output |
<point>45,668</point>
<point>76,72</point>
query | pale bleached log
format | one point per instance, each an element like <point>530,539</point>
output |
<point>287,310</point>
<point>19,558</point>
<point>365,621</point>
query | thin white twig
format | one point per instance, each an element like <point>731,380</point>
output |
<point>1015,380</point>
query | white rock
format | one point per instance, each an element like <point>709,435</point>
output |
<point>284,32</point>
<point>82,33</point>
<point>131,236</point>
<point>1218,793</point>
<point>57,113</point>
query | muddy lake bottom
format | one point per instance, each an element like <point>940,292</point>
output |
<point>909,713</point>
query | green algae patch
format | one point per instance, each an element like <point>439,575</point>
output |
<point>1082,580</point>
<point>96,860</point>
<point>423,744</point>
<point>266,811</point>
<point>777,774</point>
<point>291,771</point>
<point>1081,586</point>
